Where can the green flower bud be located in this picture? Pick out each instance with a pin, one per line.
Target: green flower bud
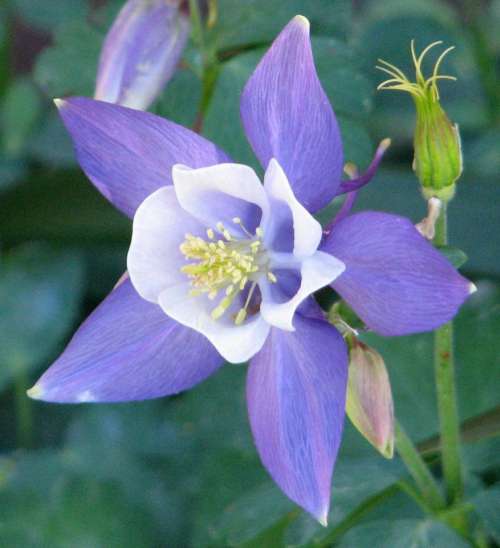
(437, 152)
(369, 403)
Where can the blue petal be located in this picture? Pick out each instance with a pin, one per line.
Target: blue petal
(296, 400)
(287, 116)
(129, 154)
(394, 279)
(128, 349)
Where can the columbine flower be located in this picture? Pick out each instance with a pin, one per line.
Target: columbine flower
(222, 267)
(141, 51)
(438, 155)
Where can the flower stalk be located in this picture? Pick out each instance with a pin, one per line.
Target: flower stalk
(210, 62)
(418, 469)
(446, 391)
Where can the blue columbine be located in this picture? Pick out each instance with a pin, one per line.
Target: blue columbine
(223, 267)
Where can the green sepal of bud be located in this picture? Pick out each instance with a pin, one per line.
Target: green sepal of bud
(437, 159)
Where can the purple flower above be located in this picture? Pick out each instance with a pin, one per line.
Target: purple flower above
(141, 51)
(223, 267)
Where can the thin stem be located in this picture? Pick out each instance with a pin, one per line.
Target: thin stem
(444, 371)
(355, 516)
(418, 469)
(209, 58)
(446, 392)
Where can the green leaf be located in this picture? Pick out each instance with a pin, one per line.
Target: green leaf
(222, 122)
(11, 171)
(424, 533)
(51, 144)
(215, 412)
(69, 67)
(482, 456)
(487, 504)
(179, 101)
(340, 70)
(260, 21)
(355, 480)
(64, 207)
(45, 504)
(254, 518)
(19, 111)
(433, 9)
(47, 15)
(40, 291)
(358, 146)
(481, 157)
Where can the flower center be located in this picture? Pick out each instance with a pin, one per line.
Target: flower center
(225, 264)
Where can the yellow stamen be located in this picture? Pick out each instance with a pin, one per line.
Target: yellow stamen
(271, 277)
(225, 264)
(240, 317)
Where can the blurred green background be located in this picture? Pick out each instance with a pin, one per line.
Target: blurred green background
(183, 471)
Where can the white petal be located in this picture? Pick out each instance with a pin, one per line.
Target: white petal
(154, 259)
(235, 343)
(307, 230)
(316, 272)
(221, 192)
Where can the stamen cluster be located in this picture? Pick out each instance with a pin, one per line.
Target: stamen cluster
(225, 264)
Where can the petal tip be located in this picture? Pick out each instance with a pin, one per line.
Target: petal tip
(472, 288)
(60, 103)
(35, 392)
(323, 519)
(388, 451)
(385, 143)
(302, 21)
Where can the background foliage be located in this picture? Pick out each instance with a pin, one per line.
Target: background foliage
(183, 471)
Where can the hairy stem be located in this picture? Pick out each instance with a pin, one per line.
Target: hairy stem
(446, 393)
(444, 371)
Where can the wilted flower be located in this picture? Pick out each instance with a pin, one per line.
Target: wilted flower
(223, 267)
(141, 51)
(438, 156)
(369, 397)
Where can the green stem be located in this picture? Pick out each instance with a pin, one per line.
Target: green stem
(444, 371)
(354, 517)
(418, 469)
(197, 25)
(446, 393)
(24, 418)
(209, 58)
